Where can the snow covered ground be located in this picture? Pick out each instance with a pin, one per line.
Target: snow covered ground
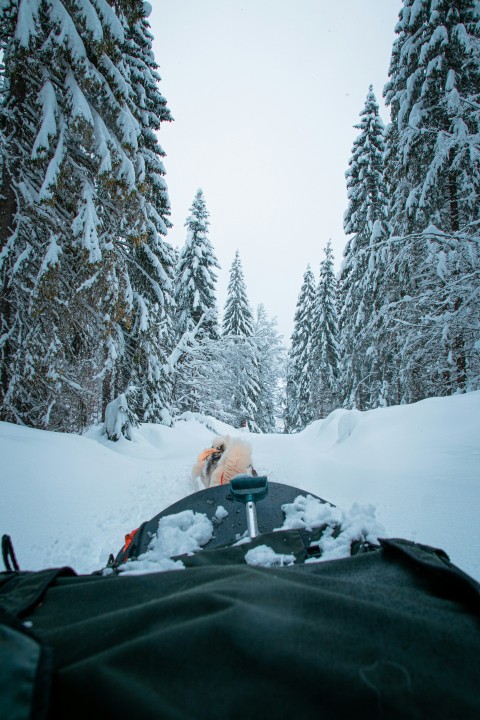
(69, 500)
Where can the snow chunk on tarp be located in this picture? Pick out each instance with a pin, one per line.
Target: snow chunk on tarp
(343, 528)
(187, 532)
(265, 556)
(221, 513)
(179, 534)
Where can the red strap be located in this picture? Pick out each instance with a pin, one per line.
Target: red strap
(128, 539)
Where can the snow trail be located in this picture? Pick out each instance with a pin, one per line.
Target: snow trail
(69, 500)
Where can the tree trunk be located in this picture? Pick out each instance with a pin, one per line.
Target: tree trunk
(454, 209)
(458, 349)
(8, 209)
(459, 354)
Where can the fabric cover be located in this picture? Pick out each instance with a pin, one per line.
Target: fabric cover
(392, 633)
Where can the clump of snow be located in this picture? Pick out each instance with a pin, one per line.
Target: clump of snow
(110, 19)
(146, 565)
(51, 256)
(307, 512)
(265, 556)
(343, 528)
(48, 128)
(118, 422)
(359, 524)
(221, 513)
(53, 169)
(242, 539)
(216, 426)
(178, 534)
(86, 223)
(26, 23)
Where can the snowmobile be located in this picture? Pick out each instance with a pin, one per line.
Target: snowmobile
(390, 631)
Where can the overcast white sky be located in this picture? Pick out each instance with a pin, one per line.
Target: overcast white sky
(265, 94)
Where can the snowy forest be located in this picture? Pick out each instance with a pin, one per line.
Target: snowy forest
(103, 319)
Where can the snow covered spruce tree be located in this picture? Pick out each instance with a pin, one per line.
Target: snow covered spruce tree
(366, 221)
(221, 374)
(55, 248)
(431, 282)
(72, 207)
(271, 371)
(237, 316)
(238, 331)
(196, 276)
(298, 410)
(196, 309)
(325, 361)
(151, 260)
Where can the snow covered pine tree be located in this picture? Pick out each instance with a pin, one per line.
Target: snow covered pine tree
(432, 304)
(325, 362)
(271, 370)
(238, 331)
(72, 206)
(196, 307)
(365, 219)
(298, 411)
(196, 276)
(152, 260)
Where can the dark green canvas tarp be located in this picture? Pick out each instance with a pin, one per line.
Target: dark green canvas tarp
(391, 633)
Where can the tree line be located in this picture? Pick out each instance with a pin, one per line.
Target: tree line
(231, 371)
(401, 322)
(97, 307)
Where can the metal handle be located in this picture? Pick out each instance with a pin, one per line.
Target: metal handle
(252, 523)
(249, 490)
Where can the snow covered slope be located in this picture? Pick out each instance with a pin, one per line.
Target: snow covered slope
(69, 500)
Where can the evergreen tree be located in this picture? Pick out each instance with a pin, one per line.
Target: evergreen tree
(196, 276)
(204, 378)
(433, 93)
(298, 411)
(72, 209)
(152, 261)
(430, 305)
(366, 220)
(238, 330)
(196, 304)
(237, 317)
(325, 351)
(271, 370)
(55, 241)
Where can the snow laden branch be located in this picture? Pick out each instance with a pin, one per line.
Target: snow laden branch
(185, 344)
